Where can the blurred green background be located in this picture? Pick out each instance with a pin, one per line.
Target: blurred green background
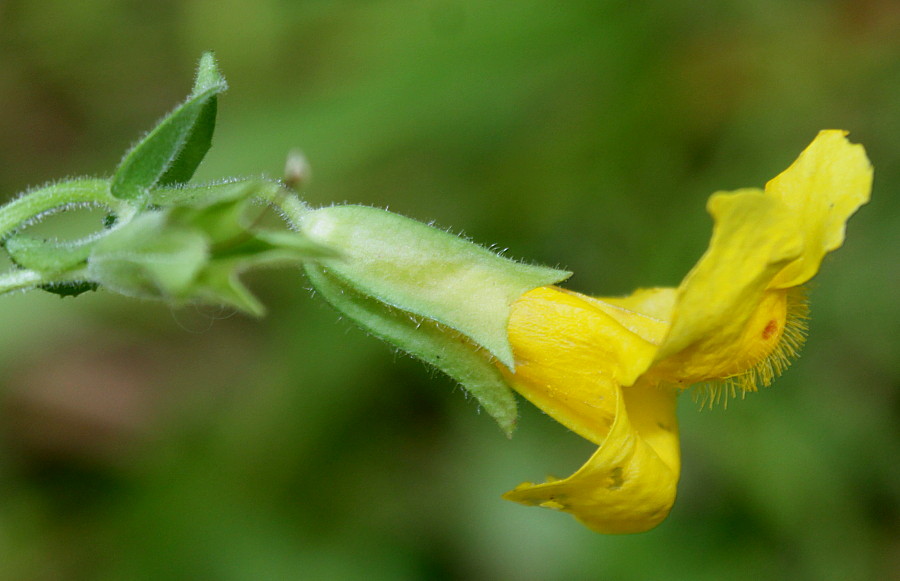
(143, 442)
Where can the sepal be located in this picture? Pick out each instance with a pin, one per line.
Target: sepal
(448, 350)
(193, 243)
(426, 272)
(150, 257)
(434, 295)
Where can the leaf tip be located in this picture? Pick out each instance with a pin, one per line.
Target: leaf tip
(208, 74)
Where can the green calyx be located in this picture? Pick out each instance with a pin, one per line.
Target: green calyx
(441, 298)
(194, 244)
(446, 349)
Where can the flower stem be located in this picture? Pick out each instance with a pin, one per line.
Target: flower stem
(19, 279)
(292, 207)
(25, 209)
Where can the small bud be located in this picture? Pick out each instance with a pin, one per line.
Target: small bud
(297, 171)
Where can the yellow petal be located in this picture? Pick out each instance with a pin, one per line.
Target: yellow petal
(753, 239)
(629, 484)
(573, 353)
(571, 357)
(821, 189)
(657, 303)
(735, 301)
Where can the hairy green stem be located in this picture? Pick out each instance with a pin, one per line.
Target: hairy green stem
(19, 279)
(22, 210)
(291, 207)
(25, 279)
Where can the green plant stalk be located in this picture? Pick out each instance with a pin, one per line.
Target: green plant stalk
(31, 206)
(34, 205)
(25, 279)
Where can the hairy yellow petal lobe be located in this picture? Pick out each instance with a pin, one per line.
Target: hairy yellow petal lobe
(772, 339)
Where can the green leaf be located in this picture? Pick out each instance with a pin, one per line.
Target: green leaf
(200, 139)
(224, 212)
(205, 195)
(220, 283)
(448, 350)
(149, 258)
(48, 256)
(195, 147)
(227, 213)
(426, 271)
(69, 288)
(208, 74)
(171, 152)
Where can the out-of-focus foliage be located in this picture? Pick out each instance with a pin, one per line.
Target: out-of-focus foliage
(142, 443)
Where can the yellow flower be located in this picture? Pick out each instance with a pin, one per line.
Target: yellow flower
(610, 369)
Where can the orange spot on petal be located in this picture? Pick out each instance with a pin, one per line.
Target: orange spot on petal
(771, 328)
